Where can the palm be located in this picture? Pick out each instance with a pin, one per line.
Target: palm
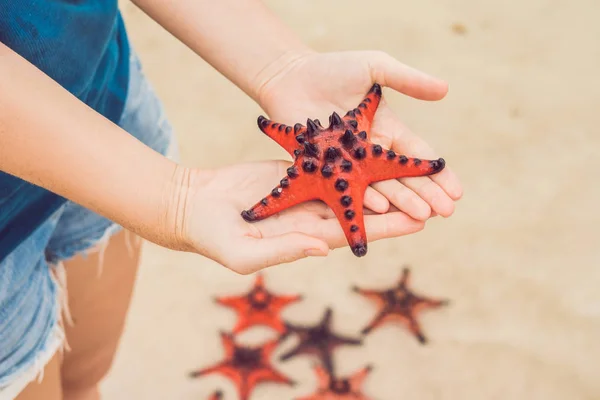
(342, 84)
(219, 196)
(322, 83)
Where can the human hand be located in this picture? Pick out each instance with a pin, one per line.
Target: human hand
(316, 84)
(210, 222)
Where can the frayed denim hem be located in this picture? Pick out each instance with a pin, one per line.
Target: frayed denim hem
(55, 342)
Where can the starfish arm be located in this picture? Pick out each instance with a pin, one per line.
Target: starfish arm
(220, 368)
(259, 281)
(378, 320)
(301, 349)
(427, 303)
(280, 302)
(228, 344)
(357, 380)
(217, 395)
(240, 305)
(244, 322)
(345, 340)
(387, 165)
(267, 375)
(373, 295)
(348, 207)
(243, 388)
(236, 302)
(323, 377)
(268, 348)
(404, 278)
(365, 112)
(292, 353)
(415, 328)
(284, 135)
(290, 329)
(326, 320)
(290, 192)
(325, 355)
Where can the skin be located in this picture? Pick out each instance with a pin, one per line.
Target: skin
(98, 306)
(169, 204)
(73, 151)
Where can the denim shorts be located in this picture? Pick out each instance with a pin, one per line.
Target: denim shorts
(33, 305)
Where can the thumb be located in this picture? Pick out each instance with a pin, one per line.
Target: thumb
(388, 71)
(281, 249)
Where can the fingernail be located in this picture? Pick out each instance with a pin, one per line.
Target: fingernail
(315, 253)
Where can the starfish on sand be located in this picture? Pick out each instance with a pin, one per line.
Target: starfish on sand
(332, 388)
(401, 304)
(317, 340)
(258, 307)
(246, 366)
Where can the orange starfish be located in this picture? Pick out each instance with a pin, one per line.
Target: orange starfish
(330, 388)
(218, 395)
(258, 307)
(336, 165)
(400, 303)
(246, 366)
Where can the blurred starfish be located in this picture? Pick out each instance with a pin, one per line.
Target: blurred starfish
(218, 395)
(331, 388)
(317, 340)
(258, 307)
(400, 303)
(246, 366)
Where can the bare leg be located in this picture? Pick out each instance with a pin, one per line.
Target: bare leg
(99, 306)
(49, 388)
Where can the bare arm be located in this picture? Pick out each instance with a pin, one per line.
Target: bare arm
(242, 39)
(50, 138)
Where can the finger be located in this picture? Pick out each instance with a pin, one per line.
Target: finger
(431, 193)
(255, 254)
(406, 142)
(390, 72)
(376, 201)
(404, 199)
(378, 226)
(391, 225)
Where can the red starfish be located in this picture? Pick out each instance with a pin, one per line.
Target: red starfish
(400, 303)
(317, 340)
(246, 366)
(218, 395)
(258, 307)
(331, 388)
(336, 165)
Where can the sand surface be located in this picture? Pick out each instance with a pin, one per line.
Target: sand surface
(520, 259)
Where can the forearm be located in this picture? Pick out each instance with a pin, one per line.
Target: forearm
(50, 138)
(242, 39)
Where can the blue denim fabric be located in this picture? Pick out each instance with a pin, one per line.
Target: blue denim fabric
(83, 46)
(30, 284)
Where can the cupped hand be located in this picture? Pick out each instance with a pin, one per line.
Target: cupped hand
(317, 84)
(213, 227)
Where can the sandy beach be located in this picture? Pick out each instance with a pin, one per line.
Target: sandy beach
(519, 259)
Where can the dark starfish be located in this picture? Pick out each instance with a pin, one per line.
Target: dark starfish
(246, 366)
(331, 388)
(400, 303)
(317, 340)
(218, 395)
(336, 165)
(258, 307)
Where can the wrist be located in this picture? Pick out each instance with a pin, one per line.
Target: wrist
(177, 207)
(264, 82)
